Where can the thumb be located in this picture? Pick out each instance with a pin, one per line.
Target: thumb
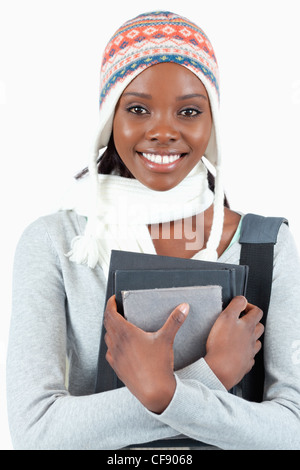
(236, 306)
(175, 321)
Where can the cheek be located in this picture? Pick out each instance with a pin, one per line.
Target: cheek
(125, 140)
(123, 125)
(118, 133)
(202, 135)
(117, 127)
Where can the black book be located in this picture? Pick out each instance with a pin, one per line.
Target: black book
(136, 271)
(133, 279)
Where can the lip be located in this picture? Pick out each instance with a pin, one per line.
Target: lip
(162, 167)
(163, 152)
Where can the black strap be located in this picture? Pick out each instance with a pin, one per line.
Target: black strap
(259, 258)
(258, 237)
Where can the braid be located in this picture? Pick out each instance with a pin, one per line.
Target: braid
(211, 185)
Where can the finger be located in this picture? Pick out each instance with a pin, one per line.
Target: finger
(257, 347)
(109, 358)
(175, 321)
(259, 330)
(107, 340)
(111, 303)
(111, 306)
(237, 305)
(112, 319)
(253, 313)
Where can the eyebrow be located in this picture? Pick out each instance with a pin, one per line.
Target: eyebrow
(139, 95)
(179, 98)
(191, 95)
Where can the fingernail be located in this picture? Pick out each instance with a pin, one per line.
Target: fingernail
(184, 308)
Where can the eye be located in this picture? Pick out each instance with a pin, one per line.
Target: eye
(190, 112)
(137, 110)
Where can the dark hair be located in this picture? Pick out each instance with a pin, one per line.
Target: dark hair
(110, 162)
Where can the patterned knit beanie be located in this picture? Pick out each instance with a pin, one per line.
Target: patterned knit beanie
(149, 39)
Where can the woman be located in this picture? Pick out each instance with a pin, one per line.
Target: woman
(158, 118)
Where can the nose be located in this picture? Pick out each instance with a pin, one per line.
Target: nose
(163, 131)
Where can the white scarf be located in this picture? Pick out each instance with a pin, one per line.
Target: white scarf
(125, 208)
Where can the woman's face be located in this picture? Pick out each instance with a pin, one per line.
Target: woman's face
(162, 125)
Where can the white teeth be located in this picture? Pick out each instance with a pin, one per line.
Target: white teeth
(161, 159)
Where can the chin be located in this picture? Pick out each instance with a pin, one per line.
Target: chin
(160, 184)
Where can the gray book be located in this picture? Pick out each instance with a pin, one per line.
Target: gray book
(149, 309)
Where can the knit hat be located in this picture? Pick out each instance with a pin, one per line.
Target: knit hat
(142, 42)
(150, 39)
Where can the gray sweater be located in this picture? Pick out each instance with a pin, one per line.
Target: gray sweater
(57, 312)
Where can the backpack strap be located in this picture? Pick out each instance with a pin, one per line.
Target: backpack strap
(258, 237)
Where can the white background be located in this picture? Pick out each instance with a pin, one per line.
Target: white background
(49, 73)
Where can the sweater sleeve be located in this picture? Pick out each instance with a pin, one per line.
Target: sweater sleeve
(230, 422)
(42, 413)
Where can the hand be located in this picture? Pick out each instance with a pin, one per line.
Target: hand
(143, 361)
(233, 341)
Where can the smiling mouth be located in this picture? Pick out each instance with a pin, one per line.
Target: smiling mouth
(161, 159)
